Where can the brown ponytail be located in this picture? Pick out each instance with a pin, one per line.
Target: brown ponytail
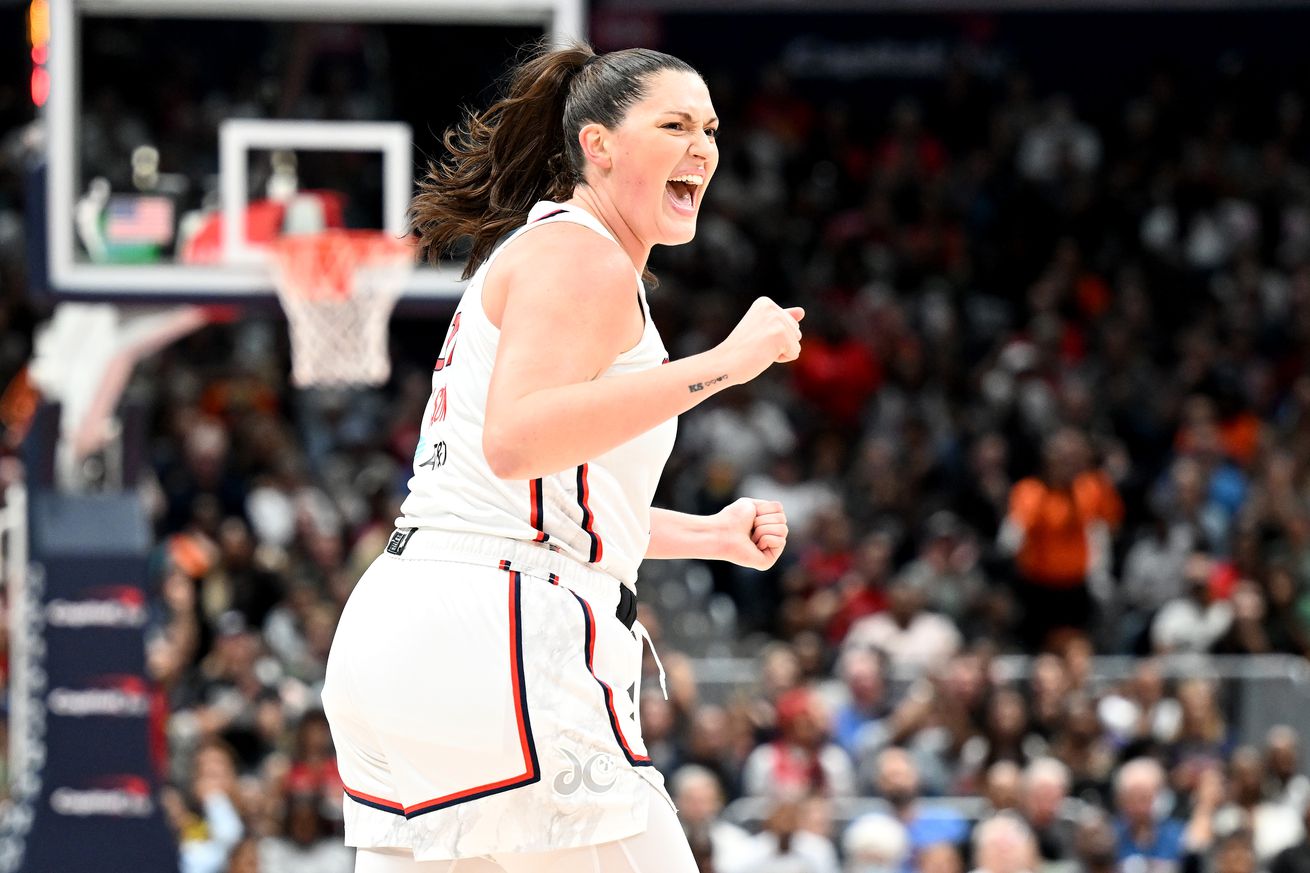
(524, 147)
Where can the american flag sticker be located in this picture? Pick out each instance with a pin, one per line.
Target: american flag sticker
(132, 218)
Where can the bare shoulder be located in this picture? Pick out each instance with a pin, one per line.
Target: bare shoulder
(561, 265)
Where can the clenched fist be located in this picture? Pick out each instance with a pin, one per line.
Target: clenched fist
(767, 334)
(754, 532)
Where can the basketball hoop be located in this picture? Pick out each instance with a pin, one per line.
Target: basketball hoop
(338, 288)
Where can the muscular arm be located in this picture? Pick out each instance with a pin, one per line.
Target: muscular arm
(566, 305)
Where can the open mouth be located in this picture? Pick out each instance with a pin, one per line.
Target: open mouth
(682, 192)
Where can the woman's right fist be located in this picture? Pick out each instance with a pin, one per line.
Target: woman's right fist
(767, 334)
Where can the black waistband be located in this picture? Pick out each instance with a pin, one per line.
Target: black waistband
(626, 611)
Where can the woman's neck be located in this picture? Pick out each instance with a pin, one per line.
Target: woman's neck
(599, 204)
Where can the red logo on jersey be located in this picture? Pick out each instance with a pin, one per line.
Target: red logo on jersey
(439, 406)
(448, 347)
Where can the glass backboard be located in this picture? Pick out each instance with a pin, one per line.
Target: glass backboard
(173, 157)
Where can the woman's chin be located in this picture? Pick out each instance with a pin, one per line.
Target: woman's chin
(678, 231)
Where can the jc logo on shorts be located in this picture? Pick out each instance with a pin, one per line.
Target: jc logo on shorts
(596, 774)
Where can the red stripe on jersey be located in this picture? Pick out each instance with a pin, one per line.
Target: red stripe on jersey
(537, 511)
(588, 519)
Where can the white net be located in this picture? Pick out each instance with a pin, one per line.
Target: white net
(338, 288)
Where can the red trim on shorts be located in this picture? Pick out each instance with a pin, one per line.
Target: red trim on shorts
(589, 623)
(375, 802)
(588, 519)
(518, 681)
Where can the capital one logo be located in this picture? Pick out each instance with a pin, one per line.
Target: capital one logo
(116, 796)
(104, 606)
(123, 696)
(597, 774)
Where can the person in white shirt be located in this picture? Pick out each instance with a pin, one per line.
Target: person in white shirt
(1195, 621)
(909, 635)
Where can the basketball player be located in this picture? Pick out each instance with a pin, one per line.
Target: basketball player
(482, 684)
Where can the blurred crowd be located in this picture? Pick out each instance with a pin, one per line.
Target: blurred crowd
(1054, 399)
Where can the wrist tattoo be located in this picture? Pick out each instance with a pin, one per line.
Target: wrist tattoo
(701, 386)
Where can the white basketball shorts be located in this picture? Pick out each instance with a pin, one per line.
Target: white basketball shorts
(482, 698)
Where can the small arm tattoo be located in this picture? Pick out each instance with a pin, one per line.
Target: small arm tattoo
(701, 386)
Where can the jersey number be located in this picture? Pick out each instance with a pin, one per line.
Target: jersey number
(448, 347)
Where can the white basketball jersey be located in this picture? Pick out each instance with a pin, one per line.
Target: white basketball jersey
(597, 513)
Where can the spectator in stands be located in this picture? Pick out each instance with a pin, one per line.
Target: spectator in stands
(1236, 853)
(1267, 617)
(1001, 786)
(205, 818)
(307, 844)
(1082, 745)
(906, 633)
(1197, 620)
(940, 858)
(1273, 825)
(898, 784)
(859, 724)
(1094, 847)
(1282, 762)
(1152, 576)
(1003, 844)
(946, 570)
(312, 768)
(1006, 730)
(239, 700)
(1185, 501)
(1201, 832)
(699, 798)
(1141, 715)
(875, 843)
(708, 744)
(940, 720)
(783, 846)
(1059, 145)
(747, 430)
(1141, 831)
(1058, 528)
(862, 591)
(836, 374)
(658, 723)
(1049, 691)
(1043, 793)
(986, 490)
(802, 759)
(1202, 732)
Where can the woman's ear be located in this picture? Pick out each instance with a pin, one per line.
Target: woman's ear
(596, 145)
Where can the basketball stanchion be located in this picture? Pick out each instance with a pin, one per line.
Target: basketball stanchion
(338, 288)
